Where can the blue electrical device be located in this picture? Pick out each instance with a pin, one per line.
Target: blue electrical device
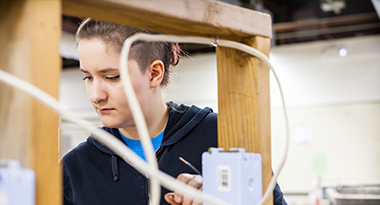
(232, 175)
(17, 185)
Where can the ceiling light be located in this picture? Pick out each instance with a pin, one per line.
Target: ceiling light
(332, 5)
(342, 52)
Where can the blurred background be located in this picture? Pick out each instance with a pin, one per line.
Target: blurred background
(327, 56)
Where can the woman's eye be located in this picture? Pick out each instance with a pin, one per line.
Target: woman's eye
(87, 78)
(113, 77)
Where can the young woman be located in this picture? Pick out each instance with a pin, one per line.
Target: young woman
(93, 174)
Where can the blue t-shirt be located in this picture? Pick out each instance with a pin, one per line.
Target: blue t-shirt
(136, 146)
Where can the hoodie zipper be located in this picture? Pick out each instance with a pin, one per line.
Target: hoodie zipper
(147, 177)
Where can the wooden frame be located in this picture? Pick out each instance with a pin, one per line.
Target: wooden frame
(30, 32)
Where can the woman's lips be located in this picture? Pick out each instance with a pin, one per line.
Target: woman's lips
(105, 110)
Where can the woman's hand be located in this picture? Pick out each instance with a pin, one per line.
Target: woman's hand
(178, 199)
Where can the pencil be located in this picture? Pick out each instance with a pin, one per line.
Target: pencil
(190, 165)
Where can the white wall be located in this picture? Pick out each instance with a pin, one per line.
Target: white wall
(314, 73)
(195, 82)
(347, 137)
(334, 107)
(333, 102)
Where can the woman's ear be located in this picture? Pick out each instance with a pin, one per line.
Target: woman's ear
(157, 71)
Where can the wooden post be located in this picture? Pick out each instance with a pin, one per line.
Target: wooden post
(29, 38)
(244, 103)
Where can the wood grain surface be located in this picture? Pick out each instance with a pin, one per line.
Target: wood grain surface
(244, 103)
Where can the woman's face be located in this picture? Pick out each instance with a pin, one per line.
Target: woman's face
(100, 65)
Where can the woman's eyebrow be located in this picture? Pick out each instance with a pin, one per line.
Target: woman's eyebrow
(83, 71)
(105, 70)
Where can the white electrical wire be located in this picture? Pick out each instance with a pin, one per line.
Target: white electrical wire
(186, 39)
(138, 117)
(109, 140)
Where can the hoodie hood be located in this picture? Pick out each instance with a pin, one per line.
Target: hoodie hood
(182, 119)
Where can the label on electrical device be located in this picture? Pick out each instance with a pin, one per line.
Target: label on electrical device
(224, 178)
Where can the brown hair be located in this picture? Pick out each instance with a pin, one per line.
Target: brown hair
(143, 52)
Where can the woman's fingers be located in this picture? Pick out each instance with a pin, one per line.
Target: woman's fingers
(169, 197)
(191, 180)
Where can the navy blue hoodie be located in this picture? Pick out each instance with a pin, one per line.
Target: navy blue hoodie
(93, 174)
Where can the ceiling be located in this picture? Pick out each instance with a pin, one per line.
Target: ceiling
(310, 20)
(294, 21)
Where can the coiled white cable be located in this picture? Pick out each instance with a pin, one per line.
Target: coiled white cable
(186, 39)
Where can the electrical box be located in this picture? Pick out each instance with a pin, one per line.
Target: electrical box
(232, 175)
(17, 185)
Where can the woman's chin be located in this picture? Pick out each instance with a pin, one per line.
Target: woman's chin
(113, 122)
(110, 124)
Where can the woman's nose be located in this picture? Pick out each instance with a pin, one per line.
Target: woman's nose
(97, 92)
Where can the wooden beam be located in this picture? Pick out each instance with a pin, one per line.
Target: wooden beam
(244, 102)
(181, 17)
(29, 38)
